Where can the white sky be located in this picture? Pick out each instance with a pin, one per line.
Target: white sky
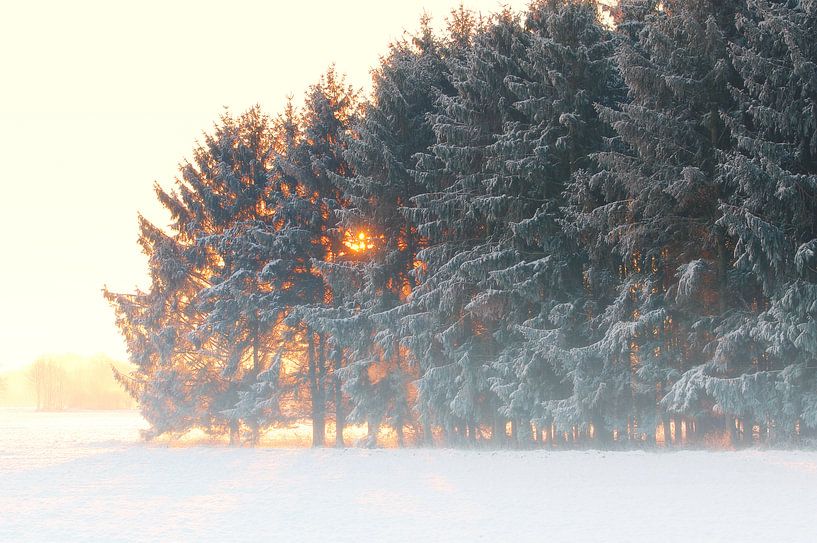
(100, 99)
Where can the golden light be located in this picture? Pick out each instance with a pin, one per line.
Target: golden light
(358, 243)
(605, 14)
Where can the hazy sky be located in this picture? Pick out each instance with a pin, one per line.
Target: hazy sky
(100, 99)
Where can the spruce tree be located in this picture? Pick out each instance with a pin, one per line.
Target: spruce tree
(451, 316)
(185, 344)
(567, 68)
(653, 206)
(375, 274)
(303, 200)
(766, 367)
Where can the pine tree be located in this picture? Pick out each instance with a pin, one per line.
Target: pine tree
(451, 316)
(188, 364)
(567, 69)
(303, 200)
(765, 369)
(375, 274)
(653, 206)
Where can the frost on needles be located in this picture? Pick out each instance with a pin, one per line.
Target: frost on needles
(538, 228)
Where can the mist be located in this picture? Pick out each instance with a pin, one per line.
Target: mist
(65, 382)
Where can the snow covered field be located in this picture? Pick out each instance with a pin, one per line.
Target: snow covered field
(85, 477)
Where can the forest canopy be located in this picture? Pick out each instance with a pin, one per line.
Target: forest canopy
(559, 226)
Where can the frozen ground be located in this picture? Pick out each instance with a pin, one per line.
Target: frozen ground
(84, 477)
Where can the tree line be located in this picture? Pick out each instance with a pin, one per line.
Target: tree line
(539, 228)
(60, 382)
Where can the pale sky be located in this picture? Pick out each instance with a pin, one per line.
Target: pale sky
(100, 99)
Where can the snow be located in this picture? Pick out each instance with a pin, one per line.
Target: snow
(86, 477)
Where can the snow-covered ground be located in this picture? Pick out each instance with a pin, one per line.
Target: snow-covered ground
(85, 477)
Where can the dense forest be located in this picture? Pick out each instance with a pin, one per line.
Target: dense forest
(574, 225)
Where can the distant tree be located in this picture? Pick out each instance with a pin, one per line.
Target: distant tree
(49, 381)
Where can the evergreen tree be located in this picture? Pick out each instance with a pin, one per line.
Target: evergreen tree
(451, 315)
(568, 68)
(535, 219)
(303, 200)
(376, 272)
(763, 370)
(188, 362)
(654, 204)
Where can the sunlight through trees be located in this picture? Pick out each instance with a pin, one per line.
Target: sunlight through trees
(552, 227)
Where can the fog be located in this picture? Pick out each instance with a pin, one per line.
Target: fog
(60, 382)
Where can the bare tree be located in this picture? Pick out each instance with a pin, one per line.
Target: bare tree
(48, 379)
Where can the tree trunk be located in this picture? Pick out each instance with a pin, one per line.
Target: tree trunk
(340, 415)
(318, 434)
(398, 429)
(256, 367)
(732, 422)
(448, 434)
(428, 434)
(498, 431)
(665, 421)
(320, 367)
(603, 436)
(747, 432)
(523, 434)
(372, 429)
(678, 437)
(399, 400)
(235, 434)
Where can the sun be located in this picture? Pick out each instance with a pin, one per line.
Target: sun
(359, 242)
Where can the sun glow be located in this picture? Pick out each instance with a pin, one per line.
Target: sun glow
(359, 242)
